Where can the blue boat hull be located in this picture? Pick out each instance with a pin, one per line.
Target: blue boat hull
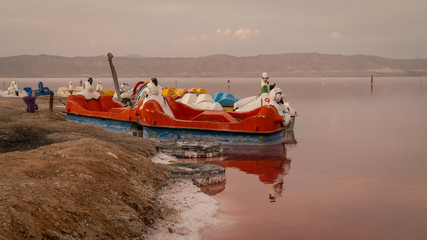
(226, 137)
(170, 134)
(111, 125)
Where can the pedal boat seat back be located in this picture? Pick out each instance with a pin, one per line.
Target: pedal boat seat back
(261, 119)
(103, 107)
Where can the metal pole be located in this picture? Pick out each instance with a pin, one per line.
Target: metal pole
(51, 102)
(113, 72)
(228, 86)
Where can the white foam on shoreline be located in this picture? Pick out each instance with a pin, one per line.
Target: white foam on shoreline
(190, 209)
(163, 158)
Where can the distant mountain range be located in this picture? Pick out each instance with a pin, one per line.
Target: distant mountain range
(277, 65)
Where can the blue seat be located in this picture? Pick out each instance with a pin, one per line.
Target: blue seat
(225, 99)
(28, 90)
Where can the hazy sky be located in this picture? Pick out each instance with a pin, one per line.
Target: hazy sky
(193, 28)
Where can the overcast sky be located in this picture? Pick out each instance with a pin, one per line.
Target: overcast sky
(193, 28)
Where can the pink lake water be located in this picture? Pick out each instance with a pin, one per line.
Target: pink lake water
(358, 169)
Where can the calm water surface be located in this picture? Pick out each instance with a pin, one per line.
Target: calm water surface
(357, 171)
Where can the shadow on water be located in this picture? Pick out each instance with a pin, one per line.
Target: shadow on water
(269, 163)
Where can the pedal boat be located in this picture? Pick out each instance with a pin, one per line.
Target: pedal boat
(261, 126)
(103, 112)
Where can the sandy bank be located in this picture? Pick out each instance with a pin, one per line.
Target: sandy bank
(65, 180)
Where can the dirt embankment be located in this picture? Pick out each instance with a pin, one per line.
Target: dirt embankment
(62, 180)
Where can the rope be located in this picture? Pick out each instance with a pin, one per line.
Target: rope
(56, 98)
(59, 115)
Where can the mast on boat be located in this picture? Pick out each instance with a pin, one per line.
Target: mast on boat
(113, 72)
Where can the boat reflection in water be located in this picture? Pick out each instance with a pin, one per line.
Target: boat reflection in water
(269, 162)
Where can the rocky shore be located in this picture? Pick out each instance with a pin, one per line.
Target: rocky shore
(63, 180)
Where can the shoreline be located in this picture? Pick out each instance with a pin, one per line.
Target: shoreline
(68, 180)
(190, 210)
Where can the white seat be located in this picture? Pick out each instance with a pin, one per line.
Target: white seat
(189, 99)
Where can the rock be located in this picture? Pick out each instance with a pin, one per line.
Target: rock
(191, 149)
(202, 174)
